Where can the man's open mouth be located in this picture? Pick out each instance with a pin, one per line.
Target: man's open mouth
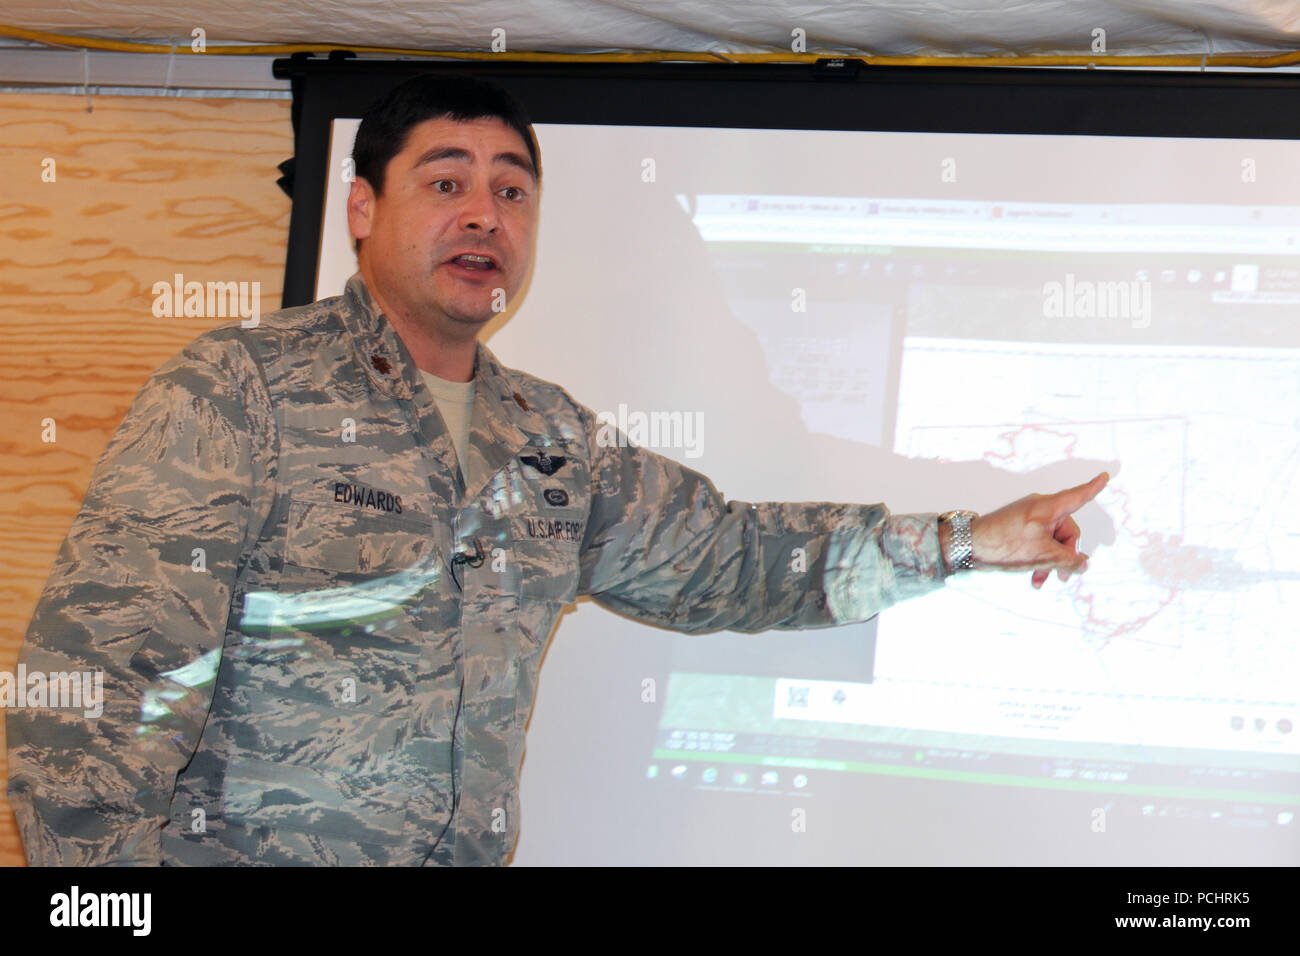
(474, 262)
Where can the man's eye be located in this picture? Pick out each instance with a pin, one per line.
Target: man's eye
(438, 184)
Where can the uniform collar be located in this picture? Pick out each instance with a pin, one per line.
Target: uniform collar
(503, 421)
(379, 349)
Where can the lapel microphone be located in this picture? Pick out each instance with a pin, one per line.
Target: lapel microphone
(464, 557)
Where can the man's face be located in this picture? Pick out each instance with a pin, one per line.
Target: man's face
(455, 188)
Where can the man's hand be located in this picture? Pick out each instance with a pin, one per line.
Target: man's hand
(1035, 533)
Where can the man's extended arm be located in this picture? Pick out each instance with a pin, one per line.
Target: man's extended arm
(662, 545)
(140, 592)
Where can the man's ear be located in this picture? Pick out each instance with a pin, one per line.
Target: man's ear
(361, 208)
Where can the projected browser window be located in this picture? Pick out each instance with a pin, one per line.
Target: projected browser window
(1035, 333)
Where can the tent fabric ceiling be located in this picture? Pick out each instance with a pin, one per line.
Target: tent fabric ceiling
(892, 28)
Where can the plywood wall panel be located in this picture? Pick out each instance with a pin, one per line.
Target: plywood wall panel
(144, 187)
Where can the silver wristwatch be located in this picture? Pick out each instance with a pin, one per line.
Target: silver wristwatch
(961, 544)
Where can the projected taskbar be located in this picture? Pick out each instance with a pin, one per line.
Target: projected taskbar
(712, 737)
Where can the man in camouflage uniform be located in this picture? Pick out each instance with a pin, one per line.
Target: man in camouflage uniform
(319, 616)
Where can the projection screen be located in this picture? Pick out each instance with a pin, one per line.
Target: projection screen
(930, 319)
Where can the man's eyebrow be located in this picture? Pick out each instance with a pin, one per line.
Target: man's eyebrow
(439, 153)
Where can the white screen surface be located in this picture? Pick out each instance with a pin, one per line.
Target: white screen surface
(933, 321)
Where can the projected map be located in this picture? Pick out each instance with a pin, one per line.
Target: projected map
(1180, 635)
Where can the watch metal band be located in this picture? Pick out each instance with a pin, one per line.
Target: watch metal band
(961, 544)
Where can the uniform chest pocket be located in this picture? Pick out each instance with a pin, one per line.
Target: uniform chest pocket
(356, 541)
(546, 547)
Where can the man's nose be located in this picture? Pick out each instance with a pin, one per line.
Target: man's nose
(480, 211)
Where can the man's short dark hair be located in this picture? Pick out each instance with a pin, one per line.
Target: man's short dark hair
(386, 125)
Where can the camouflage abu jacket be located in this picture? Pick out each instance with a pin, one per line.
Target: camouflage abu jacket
(319, 646)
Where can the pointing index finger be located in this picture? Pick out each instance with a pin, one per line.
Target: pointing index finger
(1072, 499)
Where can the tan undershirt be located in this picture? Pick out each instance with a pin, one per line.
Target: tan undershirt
(455, 400)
